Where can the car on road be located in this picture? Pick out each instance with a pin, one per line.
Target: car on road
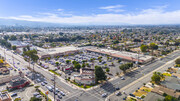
(45, 82)
(132, 95)
(49, 88)
(14, 94)
(62, 93)
(38, 80)
(122, 78)
(117, 88)
(36, 93)
(57, 90)
(42, 83)
(52, 79)
(104, 95)
(38, 96)
(118, 93)
(124, 98)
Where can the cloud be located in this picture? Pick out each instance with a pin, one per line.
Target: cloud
(145, 16)
(115, 8)
(60, 9)
(111, 7)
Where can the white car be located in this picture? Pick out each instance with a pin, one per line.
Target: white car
(104, 95)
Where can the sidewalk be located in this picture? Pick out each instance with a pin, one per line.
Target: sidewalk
(138, 80)
(32, 82)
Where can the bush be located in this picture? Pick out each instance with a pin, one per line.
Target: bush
(143, 96)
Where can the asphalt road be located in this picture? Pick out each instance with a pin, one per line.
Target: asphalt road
(95, 94)
(109, 88)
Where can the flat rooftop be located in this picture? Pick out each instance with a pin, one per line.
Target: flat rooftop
(58, 50)
(122, 54)
(18, 43)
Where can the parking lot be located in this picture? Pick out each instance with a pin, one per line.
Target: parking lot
(47, 85)
(91, 59)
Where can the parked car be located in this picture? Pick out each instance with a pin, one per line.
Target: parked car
(42, 83)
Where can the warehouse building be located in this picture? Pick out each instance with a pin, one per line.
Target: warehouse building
(128, 56)
(60, 51)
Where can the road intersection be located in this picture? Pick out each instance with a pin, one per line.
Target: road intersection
(94, 94)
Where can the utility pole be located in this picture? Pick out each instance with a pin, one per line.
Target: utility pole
(138, 60)
(34, 71)
(13, 59)
(54, 87)
(4, 54)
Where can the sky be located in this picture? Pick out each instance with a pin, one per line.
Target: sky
(98, 12)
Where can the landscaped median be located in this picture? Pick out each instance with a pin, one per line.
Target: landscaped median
(81, 85)
(54, 72)
(44, 95)
(142, 92)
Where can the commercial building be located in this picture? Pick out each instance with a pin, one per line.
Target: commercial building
(18, 83)
(86, 76)
(60, 51)
(123, 55)
(4, 96)
(19, 44)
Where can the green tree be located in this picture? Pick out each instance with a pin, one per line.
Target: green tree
(17, 99)
(28, 48)
(177, 61)
(144, 48)
(24, 49)
(68, 61)
(87, 64)
(99, 74)
(12, 38)
(153, 47)
(74, 62)
(83, 65)
(170, 98)
(35, 99)
(157, 76)
(77, 66)
(14, 47)
(49, 58)
(125, 67)
(115, 42)
(107, 70)
(57, 63)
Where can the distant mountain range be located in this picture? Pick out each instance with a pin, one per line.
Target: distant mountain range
(11, 22)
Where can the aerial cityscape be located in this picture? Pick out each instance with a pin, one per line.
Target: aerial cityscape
(89, 50)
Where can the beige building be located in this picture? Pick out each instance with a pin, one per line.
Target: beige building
(60, 51)
(86, 76)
